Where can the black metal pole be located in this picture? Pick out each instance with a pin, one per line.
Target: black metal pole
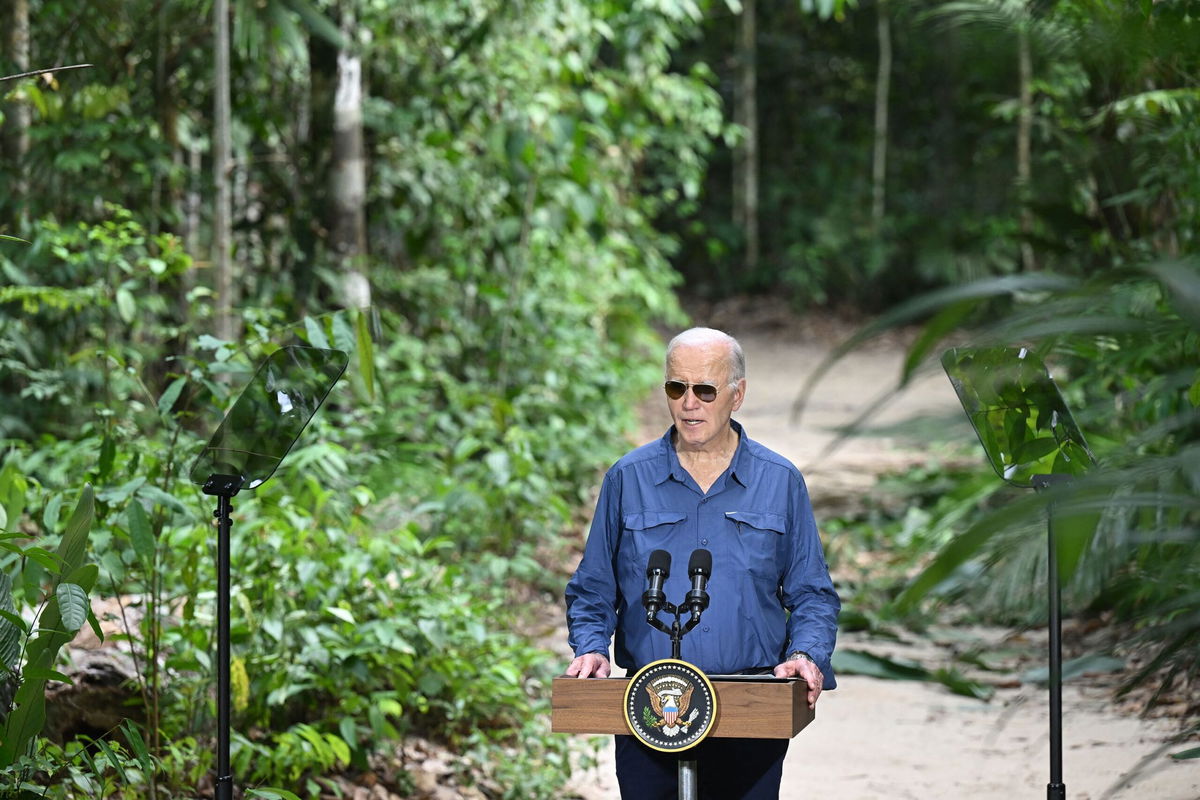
(223, 487)
(1055, 789)
(224, 784)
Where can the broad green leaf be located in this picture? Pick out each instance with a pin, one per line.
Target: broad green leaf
(25, 721)
(271, 793)
(1075, 667)
(72, 605)
(119, 494)
(141, 535)
(316, 333)
(12, 628)
(43, 674)
(13, 487)
(45, 558)
(1184, 755)
(366, 351)
(1182, 281)
(1033, 450)
(114, 760)
(917, 308)
(944, 322)
(343, 337)
(108, 453)
(167, 401)
(84, 577)
(594, 102)
(956, 682)
(1074, 528)
(74, 541)
(858, 662)
(138, 745)
(159, 497)
(321, 25)
(126, 306)
(341, 614)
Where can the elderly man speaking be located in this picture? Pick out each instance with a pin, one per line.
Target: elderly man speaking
(706, 484)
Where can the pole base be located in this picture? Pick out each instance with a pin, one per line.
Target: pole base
(1056, 791)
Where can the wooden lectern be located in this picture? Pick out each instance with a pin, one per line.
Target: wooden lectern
(748, 707)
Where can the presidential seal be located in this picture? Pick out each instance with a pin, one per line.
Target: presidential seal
(670, 705)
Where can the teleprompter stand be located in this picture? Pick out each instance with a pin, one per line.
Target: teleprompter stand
(1031, 441)
(249, 444)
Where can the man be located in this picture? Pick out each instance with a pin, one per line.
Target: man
(705, 484)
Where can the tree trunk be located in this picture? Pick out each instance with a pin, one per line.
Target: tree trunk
(223, 280)
(348, 175)
(1024, 136)
(745, 165)
(16, 139)
(883, 83)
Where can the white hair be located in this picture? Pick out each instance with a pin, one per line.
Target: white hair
(701, 336)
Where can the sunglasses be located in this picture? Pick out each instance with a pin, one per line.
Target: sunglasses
(705, 392)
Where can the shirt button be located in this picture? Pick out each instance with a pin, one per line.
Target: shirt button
(703, 500)
(704, 541)
(706, 629)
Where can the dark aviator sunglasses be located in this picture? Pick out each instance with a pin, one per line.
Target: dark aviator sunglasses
(705, 392)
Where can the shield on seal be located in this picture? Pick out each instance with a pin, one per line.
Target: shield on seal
(670, 710)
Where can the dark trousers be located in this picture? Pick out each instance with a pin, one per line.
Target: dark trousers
(727, 769)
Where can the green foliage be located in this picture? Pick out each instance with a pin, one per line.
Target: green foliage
(31, 650)
(519, 153)
(1124, 343)
(1112, 173)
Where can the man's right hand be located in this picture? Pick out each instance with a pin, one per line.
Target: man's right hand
(589, 665)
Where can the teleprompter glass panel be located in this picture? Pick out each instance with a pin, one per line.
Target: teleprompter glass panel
(1017, 412)
(270, 414)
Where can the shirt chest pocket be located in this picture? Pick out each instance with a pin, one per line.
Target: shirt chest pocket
(760, 541)
(647, 531)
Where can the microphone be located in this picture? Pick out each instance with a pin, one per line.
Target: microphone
(699, 570)
(658, 569)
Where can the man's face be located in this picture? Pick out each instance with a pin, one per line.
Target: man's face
(698, 424)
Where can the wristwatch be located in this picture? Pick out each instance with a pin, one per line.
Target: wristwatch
(797, 655)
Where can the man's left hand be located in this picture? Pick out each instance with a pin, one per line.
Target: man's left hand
(806, 669)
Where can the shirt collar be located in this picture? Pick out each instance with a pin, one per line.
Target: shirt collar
(741, 467)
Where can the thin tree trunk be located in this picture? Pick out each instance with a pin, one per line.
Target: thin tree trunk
(16, 140)
(348, 176)
(222, 148)
(883, 84)
(745, 178)
(1024, 147)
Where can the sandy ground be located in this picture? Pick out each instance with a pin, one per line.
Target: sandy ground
(889, 739)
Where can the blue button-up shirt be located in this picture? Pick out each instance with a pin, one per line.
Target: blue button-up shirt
(770, 591)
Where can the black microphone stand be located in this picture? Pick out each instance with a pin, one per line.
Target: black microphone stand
(676, 631)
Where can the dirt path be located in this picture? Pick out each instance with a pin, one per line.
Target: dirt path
(888, 739)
